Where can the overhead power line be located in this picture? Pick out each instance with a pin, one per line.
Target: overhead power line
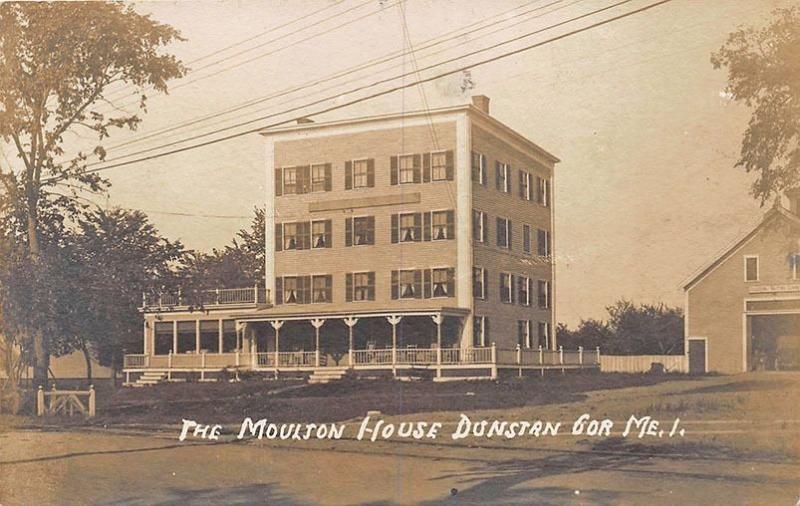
(362, 87)
(390, 90)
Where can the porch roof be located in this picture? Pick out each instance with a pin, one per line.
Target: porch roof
(270, 314)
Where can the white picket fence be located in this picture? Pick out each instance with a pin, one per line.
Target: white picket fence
(643, 363)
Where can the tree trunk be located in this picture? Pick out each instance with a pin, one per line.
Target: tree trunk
(41, 356)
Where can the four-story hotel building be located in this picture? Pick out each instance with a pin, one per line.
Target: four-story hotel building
(421, 240)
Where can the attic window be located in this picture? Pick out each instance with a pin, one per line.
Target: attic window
(751, 268)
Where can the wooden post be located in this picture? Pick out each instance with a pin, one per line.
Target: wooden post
(53, 399)
(437, 319)
(494, 361)
(203, 365)
(175, 336)
(598, 356)
(197, 336)
(519, 359)
(277, 324)
(580, 355)
(40, 401)
(317, 323)
(394, 320)
(351, 323)
(92, 401)
(255, 292)
(561, 357)
(541, 356)
(169, 365)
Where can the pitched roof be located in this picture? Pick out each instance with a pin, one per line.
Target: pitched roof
(777, 211)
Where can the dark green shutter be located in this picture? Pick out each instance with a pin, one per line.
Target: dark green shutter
(485, 283)
(427, 283)
(451, 224)
(395, 228)
(306, 289)
(348, 175)
(328, 234)
(395, 285)
(426, 167)
(278, 182)
(328, 177)
(348, 294)
(513, 294)
(426, 227)
(417, 168)
(393, 164)
(497, 172)
(279, 237)
(348, 231)
(371, 286)
(451, 282)
(450, 167)
(371, 173)
(278, 290)
(521, 185)
(510, 235)
(417, 284)
(418, 227)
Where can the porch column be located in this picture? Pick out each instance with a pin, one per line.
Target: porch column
(394, 320)
(317, 323)
(350, 322)
(144, 346)
(437, 319)
(197, 336)
(276, 324)
(175, 336)
(220, 335)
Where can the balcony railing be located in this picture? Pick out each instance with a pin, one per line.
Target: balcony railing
(202, 298)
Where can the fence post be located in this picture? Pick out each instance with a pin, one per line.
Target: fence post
(541, 356)
(439, 361)
(519, 359)
(494, 361)
(255, 292)
(561, 355)
(598, 356)
(169, 365)
(580, 355)
(40, 401)
(92, 401)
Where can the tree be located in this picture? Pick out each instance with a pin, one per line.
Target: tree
(121, 255)
(764, 73)
(590, 334)
(57, 61)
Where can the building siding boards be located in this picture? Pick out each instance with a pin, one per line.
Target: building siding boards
(715, 302)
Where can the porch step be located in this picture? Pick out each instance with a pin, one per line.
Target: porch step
(149, 378)
(327, 375)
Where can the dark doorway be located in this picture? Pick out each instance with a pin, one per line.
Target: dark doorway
(776, 342)
(697, 356)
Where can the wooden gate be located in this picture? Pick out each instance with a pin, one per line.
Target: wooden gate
(65, 402)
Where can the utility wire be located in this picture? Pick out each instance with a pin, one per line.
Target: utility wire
(391, 90)
(362, 87)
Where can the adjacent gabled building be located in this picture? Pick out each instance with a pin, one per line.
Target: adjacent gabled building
(743, 309)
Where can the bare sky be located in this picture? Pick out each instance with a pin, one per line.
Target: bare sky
(646, 190)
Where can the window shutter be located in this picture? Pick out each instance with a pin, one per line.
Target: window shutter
(483, 170)
(278, 182)
(486, 339)
(548, 249)
(549, 293)
(348, 231)
(305, 186)
(348, 294)
(547, 192)
(371, 288)
(520, 335)
(417, 284)
(522, 185)
(395, 228)
(328, 177)
(509, 234)
(509, 172)
(485, 228)
(393, 164)
(279, 237)
(486, 283)
(450, 165)
(426, 167)
(417, 164)
(451, 282)
(348, 175)
(451, 224)
(427, 226)
(304, 229)
(306, 291)
(278, 290)
(428, 283)
(500, 230)
(512, 278)
(417, 227)
(395, 286)
(371, 173)
(371, 225)
(328, 234)
(497, 168)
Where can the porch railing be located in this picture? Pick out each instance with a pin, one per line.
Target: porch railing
(218, 297)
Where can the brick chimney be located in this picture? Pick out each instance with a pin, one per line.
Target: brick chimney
(481, 102)
(793, 195)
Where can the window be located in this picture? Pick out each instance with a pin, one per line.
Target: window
(360, 286)
(209, 336)
(504, 233)
(320, 177)
(526, 238)
(439, 166)
(321, 288)
(478, 226)
(360, 174)
(290, 238)
(543, 191)
(544, 294)
(478, 168)
(409, 227)
(479, 282)
(480, 331)
(502, 173)
(407, 169)
(524, 333)
(163, 334)
(751, 268)
(290, 180)
(442, 226)
(229, 338)
(506, 287)
(442, 283)
(360, 231)
(187, 334)
(290, 292)
(544, 335)
(543, 243)
(407, 285)
(523, 290)
(321, 234)
(524, 185)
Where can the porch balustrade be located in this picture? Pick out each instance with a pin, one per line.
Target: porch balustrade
(218, 297)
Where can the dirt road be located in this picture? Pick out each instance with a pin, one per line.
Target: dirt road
(40, 468)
